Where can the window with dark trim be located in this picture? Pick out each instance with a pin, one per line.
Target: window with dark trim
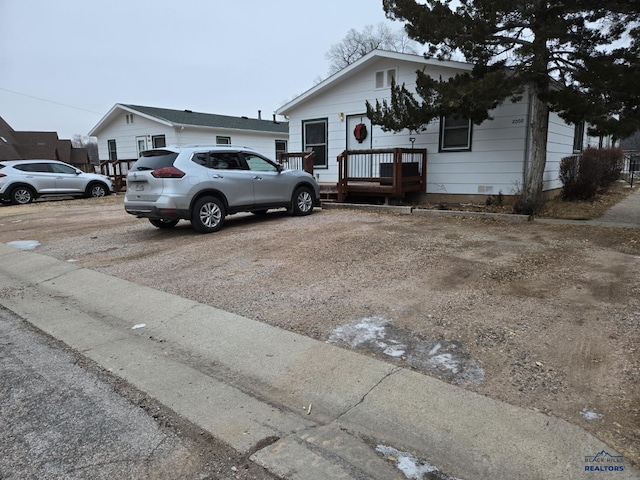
(455, 133)
(578, 137)
(158, 141)
(220, 140)
(113, 153)
(281, 147)
(314, 138)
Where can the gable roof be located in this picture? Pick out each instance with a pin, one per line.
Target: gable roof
(363, 63)
(188, 118)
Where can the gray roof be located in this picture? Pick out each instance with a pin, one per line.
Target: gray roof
(187, 117)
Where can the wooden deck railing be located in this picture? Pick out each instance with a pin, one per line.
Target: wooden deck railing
(385, 172)
(298, 160)
(117, 170)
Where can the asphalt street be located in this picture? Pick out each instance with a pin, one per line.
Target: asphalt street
(61, 417)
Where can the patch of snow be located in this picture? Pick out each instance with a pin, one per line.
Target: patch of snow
(410, 466)
(447, 361)
(365, 330)
(589, 415)
(24, 244)
(395, 351)
(139, 325)
(435, 349)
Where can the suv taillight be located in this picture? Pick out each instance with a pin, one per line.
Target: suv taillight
(168, 172)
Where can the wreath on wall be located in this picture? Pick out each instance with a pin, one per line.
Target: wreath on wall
(360, 132)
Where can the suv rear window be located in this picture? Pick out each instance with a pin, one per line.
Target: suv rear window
(155, 159)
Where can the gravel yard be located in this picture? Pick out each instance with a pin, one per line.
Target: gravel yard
(546, 317)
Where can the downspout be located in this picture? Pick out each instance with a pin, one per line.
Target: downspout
(527, 138)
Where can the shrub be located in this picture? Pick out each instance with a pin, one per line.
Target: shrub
(612, 162)
(584, 174)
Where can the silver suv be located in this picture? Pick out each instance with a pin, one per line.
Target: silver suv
(22, 181)
(203, 184)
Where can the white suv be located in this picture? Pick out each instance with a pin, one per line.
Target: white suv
(22, 181)
(203, 184)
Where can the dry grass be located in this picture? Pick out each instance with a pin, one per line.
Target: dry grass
(585, 210)
(554, 208)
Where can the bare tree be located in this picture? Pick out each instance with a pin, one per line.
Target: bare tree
(90, 143)
(356, 44)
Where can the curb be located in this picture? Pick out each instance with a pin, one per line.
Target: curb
(425, 212)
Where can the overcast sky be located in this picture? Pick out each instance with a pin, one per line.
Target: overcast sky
(65, 63)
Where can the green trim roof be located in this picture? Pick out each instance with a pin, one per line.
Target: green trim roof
(189, 118)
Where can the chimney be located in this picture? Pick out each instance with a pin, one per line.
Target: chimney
(259, 114)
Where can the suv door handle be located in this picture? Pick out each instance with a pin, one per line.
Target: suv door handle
(256, 177)
(215, 175)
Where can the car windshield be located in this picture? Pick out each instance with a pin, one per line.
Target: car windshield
(155, 159)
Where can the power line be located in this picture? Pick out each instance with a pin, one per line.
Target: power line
(50, 101)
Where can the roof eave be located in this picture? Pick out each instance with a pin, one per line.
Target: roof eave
(361, 64)
(111, 114)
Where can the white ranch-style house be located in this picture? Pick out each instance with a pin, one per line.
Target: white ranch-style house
(127, 130)
(463, 160)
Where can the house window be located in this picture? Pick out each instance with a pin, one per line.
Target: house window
(391, 77)
(455, 133)
(379, 79)
(314, 134)
(111, 146)
(385, 78)
(578, 137)
(158, 141)
(281, 147)
(220, 140)
(129, 118)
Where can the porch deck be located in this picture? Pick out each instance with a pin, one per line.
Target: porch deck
(388, 173)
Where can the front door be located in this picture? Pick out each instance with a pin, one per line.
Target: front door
(141, 143)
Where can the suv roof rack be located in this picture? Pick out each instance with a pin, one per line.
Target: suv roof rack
(223, 145)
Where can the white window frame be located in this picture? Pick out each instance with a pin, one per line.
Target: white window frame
(113, 152)
(318, 162)
(384, 78)
(444, 129)
(223, 140)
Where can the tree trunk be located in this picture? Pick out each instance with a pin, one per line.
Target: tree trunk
(534, 175)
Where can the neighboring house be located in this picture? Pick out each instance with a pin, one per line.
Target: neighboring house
(127, 130)
(463, 159)
(40, 145)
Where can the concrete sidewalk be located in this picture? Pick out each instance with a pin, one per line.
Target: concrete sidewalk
(301, 408)
(625, 214)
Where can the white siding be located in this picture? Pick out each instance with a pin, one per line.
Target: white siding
(499, 147)
(494, 164)
(264, 143)
(126, 134)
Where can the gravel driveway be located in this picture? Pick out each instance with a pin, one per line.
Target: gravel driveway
(541, 316)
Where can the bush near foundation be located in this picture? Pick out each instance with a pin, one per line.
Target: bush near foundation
(594, 169)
